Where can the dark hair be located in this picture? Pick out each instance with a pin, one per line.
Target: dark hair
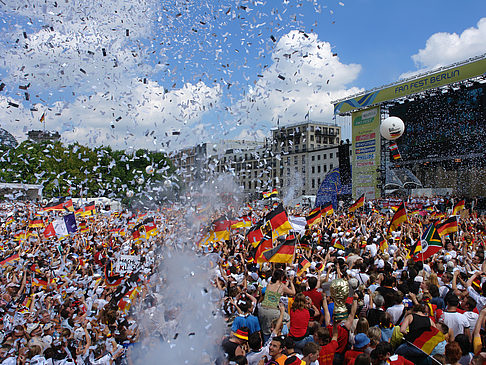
(288, 343)
(464, 343)
(255, 341)
(277, 275)
(240, 360)
(362, 359)
(312, 281)
(279, 339)
(433, 290)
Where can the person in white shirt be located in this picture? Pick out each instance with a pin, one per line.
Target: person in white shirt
(456, 321)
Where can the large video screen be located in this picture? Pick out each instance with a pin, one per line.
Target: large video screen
(444, 125)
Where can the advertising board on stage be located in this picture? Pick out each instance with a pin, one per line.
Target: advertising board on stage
(366, 152)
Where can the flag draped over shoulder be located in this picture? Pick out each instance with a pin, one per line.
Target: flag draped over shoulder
(279, 220)
(447, 227)
(357, 204)
(399, 217)
(430, 244)
(429, 339)
(458, 207)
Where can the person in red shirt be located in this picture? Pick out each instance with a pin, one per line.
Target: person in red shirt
(300, 313)
(328, 345)
(343, 327)
(361, 342)
(315, 295)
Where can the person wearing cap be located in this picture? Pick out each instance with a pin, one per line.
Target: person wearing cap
(456, 321)
(361, 342)
(236, 344)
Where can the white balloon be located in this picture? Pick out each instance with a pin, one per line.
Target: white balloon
(392, 128)
(149, 169)
(129, 193)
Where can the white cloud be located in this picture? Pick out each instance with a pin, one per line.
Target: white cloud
(443, 49)
(304, 78)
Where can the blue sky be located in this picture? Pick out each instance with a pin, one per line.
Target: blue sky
(129, 73)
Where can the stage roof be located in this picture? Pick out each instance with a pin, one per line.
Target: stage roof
(473, 69)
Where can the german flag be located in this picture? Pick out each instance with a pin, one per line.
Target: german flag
(327, 210)
(337, 244)
(429, 339)
(9, 220)
(357, 204)
(255, 234)
(383, 245)
(87, 210)
(60, 205)
(126, 302)
(20, 235)
(265, 244)
(10, 260)
(111, 280)
(430, 244)
(279, 221)
(221, 229)
(302, 265)
(447, 227)
(36, 223)
(267, 195)
(399, 217)
(314, 217)
(458, 207)
(150, 227)
(395, 153)
(83, 227)
(282, 253)
(244, 221)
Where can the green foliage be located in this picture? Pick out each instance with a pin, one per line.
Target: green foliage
(80, 171)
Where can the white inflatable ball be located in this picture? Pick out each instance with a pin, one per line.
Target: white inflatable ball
(392, 128)
(129, 193)
(149, 169)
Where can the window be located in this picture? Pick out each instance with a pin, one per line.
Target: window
(303, 160)
(319, 169)
(313, 183)
(324, 156)
(312, 128)
(318, 157)
(313, 158)
(312, 137)
(330, 155)
(313, 169)
(330, 166)
(325, 168)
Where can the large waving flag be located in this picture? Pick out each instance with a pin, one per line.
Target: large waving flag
(282, 253)
(314, 217)
(255, 234)
(327, 210)
(279, 220)
(61, 226)
(430, 244)
(265, 244)
(458, 207)
(87, 210)
(447, 227)
(399, 217)
(60, 205)
(357, 204)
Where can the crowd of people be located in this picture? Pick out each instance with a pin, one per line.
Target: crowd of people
(65, 299)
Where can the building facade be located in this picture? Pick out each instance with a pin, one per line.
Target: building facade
(296, 157)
